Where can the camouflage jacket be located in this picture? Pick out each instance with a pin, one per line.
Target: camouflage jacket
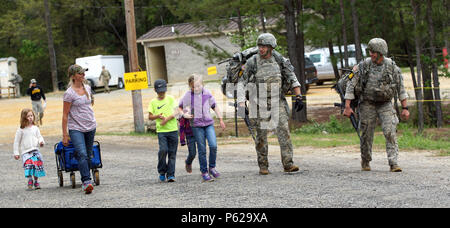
(105, 75)
(289, 79)
(384, 77)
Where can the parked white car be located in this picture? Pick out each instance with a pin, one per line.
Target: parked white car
(321, 59)
(113, 63)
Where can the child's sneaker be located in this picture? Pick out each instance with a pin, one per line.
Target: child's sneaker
(162, 177)
(171, 179)
(206, 177)
(37, 186)
(87, 187)
(30, 185)
(189, 168)
(214, 172)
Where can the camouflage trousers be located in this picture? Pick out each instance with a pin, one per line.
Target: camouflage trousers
(281, 129)
(368, 120)
(106, 85)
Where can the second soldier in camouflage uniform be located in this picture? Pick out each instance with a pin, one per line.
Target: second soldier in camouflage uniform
(105, 76)
(272, 71)
(377, 80)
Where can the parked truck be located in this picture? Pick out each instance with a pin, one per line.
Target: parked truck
(321, 59)
(113, 63)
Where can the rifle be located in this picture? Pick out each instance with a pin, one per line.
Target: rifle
(234, 71)
(353, 103)
(245, 117)
(247, 122)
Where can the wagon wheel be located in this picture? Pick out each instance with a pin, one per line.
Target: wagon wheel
(96, 175)
(60, 178)
(72, 179)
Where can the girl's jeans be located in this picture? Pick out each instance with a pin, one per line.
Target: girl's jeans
(168, 145)
(202, 134)
(83, 143)
(190, 139)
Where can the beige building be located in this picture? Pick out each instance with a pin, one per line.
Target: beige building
(168, 57)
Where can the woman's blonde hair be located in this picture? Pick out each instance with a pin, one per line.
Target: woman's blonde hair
(23, 117)
(85, 82)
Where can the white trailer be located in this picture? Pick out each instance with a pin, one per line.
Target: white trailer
(113, 63)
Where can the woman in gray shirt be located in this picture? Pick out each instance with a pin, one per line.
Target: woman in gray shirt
(78, 122)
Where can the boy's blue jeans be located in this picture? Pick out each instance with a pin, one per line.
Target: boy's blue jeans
(192, 148)
(168, 145)
(202, 134)
(83, 143)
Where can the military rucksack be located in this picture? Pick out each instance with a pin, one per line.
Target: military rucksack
(387, 87)
(341, 87)
(235, 70)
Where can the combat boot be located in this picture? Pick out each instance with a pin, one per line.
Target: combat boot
(292, 168)
(264, 171)
(395, 168)
(365, 165)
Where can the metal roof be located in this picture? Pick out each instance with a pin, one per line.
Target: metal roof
(167, 32)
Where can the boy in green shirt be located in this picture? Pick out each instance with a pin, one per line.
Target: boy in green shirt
(162, 109)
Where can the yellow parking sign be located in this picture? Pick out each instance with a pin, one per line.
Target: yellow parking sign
(212, 70)
(135, 80)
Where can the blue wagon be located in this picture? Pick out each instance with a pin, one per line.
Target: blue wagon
(66, 161)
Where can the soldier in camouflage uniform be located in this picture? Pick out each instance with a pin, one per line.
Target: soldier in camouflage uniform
(377, 81)
(271, 74)
(105, 76)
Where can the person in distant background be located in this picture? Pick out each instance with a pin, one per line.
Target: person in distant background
(105, 76)
(36, 93)
(16, 80)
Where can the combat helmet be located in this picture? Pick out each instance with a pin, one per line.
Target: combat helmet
(267, 39)
(378, 45)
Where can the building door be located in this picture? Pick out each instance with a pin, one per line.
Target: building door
(158, 69)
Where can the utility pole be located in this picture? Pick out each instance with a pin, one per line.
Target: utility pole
(133, 60)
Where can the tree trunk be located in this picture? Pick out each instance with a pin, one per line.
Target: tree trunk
(330, 43)
(416, 14)
(436, 90)
(333, 60)
(344, 34)
(291, 37)
(341, 56)
(406, 46)
(261, 15)
(51, 48)
(358, 50)
(240, 27)
(427, 93)
(302, 115)
(445, 23)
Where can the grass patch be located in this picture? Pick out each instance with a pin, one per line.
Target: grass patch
(408, 140)
(324, 140)
(336, 133)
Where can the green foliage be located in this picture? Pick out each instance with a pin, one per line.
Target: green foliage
(333, 126)
(31, 49)
(340, 133)
(444, 72)
(408, 140)
(249, 35)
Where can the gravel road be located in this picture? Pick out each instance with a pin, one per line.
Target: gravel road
(328, 177)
